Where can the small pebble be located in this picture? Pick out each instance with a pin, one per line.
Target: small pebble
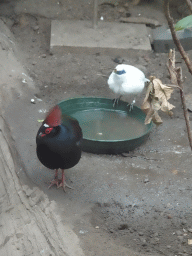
(126, 5)
(36, 28)
(118, 60)
(121, 10)
(180, 238)
(178, 233)
(144, 243)
(44, 55)
(128, 14)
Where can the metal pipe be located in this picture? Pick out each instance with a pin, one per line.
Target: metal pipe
(95, 11)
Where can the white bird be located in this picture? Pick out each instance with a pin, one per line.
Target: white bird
(126, 79)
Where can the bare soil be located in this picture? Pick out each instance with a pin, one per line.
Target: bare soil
(134, 204)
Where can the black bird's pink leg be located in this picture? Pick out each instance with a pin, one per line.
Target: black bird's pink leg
(63, 182)
(56, 180)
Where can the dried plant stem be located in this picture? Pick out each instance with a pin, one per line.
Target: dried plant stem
(176, 73)
(174, 35)
(189, 5)
(185, 112)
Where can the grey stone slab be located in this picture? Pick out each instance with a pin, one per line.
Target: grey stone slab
(163, 42)
(80, 37)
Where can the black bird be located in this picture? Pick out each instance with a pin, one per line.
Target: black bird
(59, 143)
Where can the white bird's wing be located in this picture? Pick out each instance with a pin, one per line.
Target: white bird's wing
(132, 88)
(113, 84)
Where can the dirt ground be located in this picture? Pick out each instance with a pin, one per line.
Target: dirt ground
(134, 204)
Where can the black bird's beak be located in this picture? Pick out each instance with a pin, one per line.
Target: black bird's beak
(40, 135)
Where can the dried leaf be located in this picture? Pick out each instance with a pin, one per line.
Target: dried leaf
(146, 104)
(173, 74)
(149, 116)
(162, 91)
(157, 119)
(156, 104)
(156, 98)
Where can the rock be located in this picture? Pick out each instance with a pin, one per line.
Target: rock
(128, 14)
(135, 2)
(126, 5)
(180, 238)
(146, 180)
(155, 240)
(118, 60)
(44, 55)
(121, 10)
(178, 233)
(144, 242)
(123, 227)
(35, 28)
(184, 222)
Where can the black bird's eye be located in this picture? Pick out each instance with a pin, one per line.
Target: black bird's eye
(48, 130)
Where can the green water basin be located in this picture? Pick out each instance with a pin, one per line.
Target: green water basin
(107, 129)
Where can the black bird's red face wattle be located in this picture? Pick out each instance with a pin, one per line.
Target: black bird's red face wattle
(47, 131)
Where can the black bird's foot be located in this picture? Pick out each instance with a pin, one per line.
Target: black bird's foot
(55, 182)
(64, 185)
(59, 182)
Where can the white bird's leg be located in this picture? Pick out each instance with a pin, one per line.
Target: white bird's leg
(116, 100)
(131, 105)
(63, 183)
